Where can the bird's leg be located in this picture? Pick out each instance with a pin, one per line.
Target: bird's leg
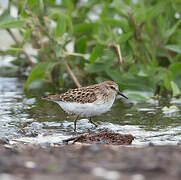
(95, 124)
(75, 122)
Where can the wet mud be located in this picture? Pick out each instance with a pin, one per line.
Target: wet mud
(32, 162)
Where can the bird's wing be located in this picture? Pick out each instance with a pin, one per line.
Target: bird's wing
(80, 95)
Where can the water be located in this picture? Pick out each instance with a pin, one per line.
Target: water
(37, 121)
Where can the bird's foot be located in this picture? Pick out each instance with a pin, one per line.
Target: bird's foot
(92, 122)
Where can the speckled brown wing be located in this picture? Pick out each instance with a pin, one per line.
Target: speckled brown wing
(80, 95)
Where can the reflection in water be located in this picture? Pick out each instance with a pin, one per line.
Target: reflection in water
(22, 117)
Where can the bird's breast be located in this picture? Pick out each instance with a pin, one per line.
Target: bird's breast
(87, 109)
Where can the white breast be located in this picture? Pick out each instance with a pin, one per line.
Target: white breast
(87, 109)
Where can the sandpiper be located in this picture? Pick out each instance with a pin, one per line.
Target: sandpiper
(88, 101)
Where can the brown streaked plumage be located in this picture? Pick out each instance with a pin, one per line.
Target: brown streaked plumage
(88, 101)
(79, 95)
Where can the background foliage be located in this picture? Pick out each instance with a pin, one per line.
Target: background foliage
(147, 32)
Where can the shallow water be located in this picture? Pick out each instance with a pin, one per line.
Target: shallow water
(23, 118)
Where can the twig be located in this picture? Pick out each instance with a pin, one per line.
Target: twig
(138, 27)
(118, 52)
(44, 29)
(19, 45)
(75, 139)
(71, 73)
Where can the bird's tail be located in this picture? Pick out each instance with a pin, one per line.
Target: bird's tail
(51, 98)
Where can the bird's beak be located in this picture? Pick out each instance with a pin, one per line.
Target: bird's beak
(119, 93)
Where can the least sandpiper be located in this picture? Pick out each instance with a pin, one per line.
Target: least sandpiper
(88, 101)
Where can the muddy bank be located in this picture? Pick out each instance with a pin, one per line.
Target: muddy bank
(90, 162)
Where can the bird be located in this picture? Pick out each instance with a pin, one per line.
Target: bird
(88, 101)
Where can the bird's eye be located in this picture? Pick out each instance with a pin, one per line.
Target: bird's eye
(112, 87)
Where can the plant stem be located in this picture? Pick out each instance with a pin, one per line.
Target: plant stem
(75, 54)
(118, 52)
(19, 45)
(71, 73)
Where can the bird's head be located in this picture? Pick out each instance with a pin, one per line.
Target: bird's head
(113, 87)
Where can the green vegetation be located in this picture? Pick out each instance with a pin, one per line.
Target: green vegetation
(147, 33)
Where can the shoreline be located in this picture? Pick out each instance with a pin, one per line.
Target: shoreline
(81, 161)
